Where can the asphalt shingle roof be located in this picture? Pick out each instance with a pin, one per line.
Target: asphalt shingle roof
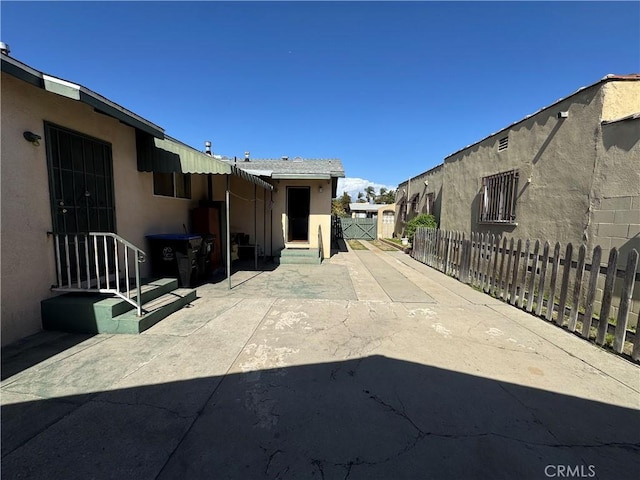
(274, 168)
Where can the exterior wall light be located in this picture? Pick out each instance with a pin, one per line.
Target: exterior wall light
(563, 114)
(32, 138)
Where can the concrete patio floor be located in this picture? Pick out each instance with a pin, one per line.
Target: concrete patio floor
(369, 366)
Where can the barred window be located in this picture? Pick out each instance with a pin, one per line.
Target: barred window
(498, 198)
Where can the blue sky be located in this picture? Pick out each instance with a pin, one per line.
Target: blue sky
(390, 88)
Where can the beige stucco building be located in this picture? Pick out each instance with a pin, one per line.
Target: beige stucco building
(567, 173)
(74, 161)
(570, 172)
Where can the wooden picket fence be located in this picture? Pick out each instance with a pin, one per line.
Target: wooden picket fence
(547, 284)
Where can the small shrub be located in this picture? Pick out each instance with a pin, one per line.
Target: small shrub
(422, 220)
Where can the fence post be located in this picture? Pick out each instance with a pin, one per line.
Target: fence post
(625, 301)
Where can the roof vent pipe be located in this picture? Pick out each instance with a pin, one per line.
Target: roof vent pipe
(4, 48)
(207, 148)
(246, 156)
(285, 158)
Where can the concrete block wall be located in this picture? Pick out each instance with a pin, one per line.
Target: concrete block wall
(616, 223)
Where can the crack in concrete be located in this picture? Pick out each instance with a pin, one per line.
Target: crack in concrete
(318, 465)
(422, 434)
(144, 404)
(266, 470)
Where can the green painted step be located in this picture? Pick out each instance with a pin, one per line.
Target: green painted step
(95, 313)
(156, 310)
(299, 260)
(299, 252)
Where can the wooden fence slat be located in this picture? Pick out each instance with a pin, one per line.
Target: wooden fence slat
(607, 293)
(514, 278)
(505, 281)
(467, 261)
(487, 274)
(486, 269)
(484, 239)
(498, 276)
(566, 272)
(447, 269)
(541, 282)
(635, 353)
(471, 254)
(532, 278)
(625, 301)
(523, 281)
(577, 288)
(456, 255)
(492, 279)
(551, 302)
(591, 291)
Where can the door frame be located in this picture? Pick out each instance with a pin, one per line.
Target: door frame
(288, 238)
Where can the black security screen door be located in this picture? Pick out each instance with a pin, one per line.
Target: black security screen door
(298, 200)
(82, 200)
(80, 182)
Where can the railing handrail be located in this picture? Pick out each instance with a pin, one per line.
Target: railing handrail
(63, 250)
(117, 237)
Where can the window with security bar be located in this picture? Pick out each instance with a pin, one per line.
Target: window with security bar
(498, 198)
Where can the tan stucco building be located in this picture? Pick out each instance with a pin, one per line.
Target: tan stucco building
(74, 161)
(567, 173)
(574, 167)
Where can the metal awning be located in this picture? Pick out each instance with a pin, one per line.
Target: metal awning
(169, 155)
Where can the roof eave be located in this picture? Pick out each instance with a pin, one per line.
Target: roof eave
(77, 92)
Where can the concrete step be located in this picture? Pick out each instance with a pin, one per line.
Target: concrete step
(299, 252)
(154, 311)
(96, 313)
(300, 260)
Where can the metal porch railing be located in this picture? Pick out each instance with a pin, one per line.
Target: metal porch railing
(100, 262)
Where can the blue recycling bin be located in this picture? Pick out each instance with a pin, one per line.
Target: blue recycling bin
(176, 255)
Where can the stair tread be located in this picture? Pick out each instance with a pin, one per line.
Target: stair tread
(167, 298)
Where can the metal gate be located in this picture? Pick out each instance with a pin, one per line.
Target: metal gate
(358, 228)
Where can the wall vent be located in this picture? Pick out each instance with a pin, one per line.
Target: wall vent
(503, 143)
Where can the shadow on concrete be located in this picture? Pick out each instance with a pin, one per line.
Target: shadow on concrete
(373, 417)
(37, 348)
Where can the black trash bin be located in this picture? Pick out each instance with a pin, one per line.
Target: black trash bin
(176, 255)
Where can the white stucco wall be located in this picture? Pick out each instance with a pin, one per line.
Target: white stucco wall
(28, 269)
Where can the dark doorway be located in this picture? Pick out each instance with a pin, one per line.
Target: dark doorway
(298, 201)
